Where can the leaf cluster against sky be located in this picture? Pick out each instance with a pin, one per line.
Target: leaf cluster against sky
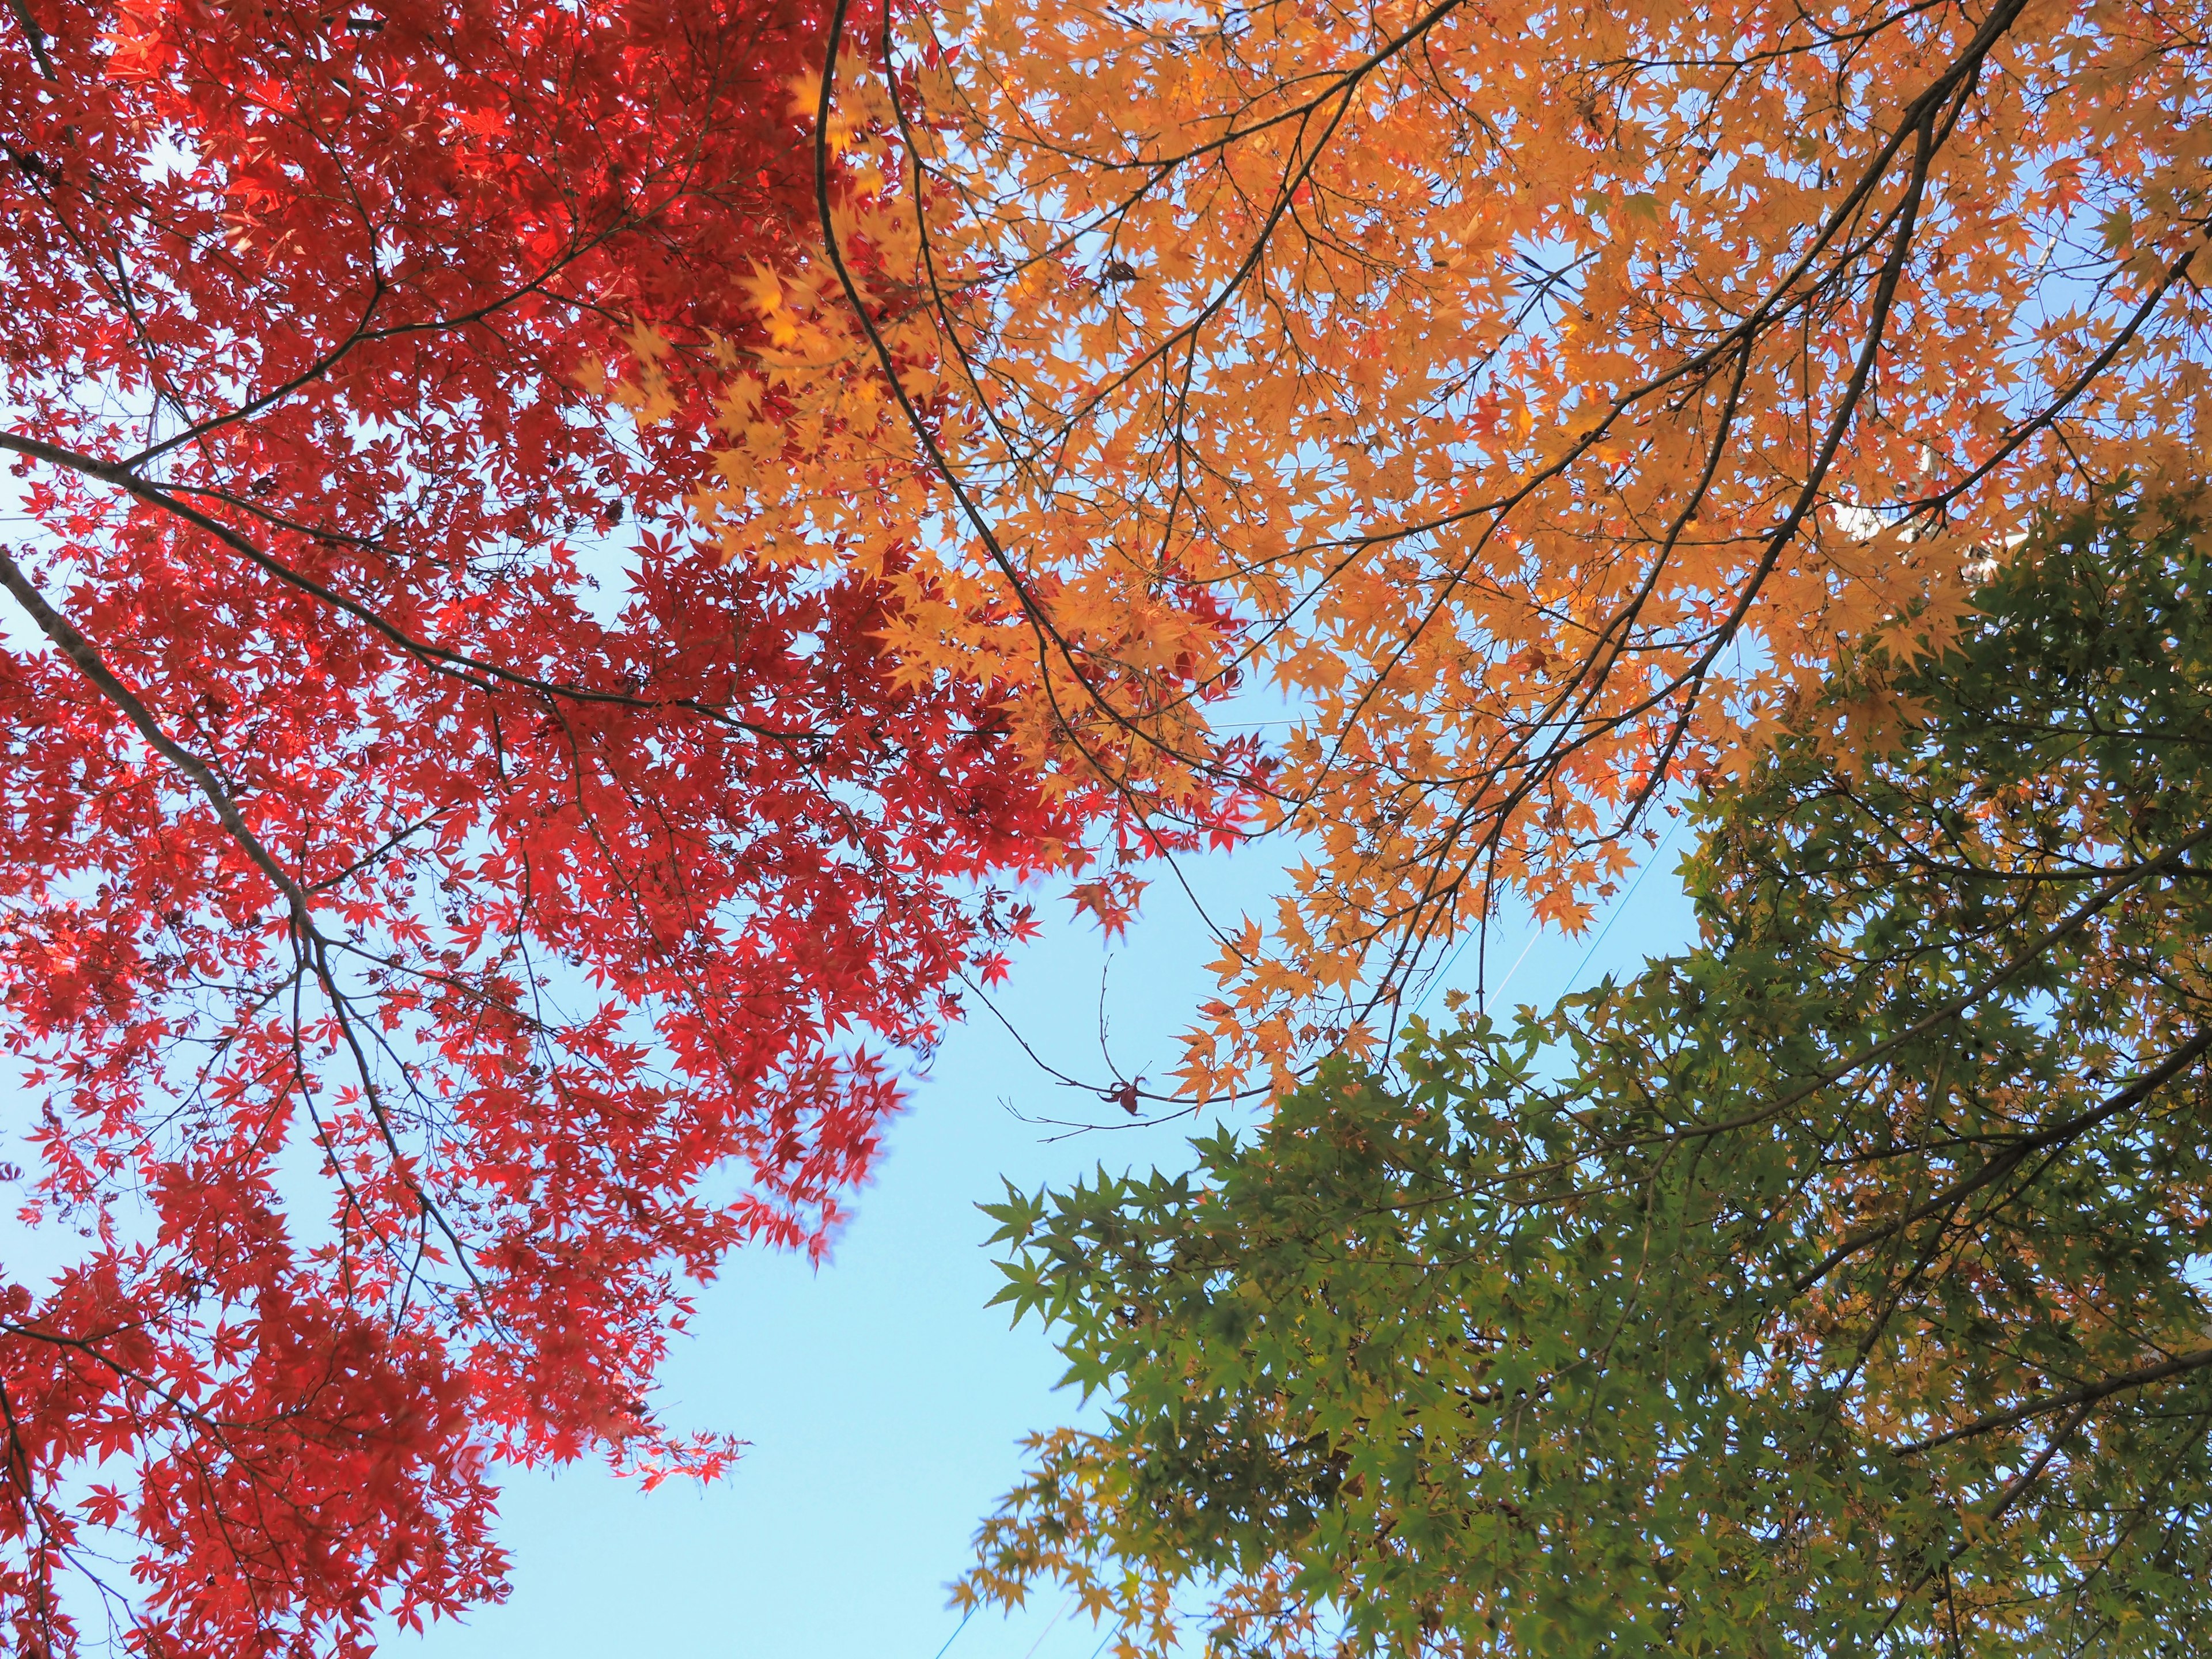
(992, 404)
(1835, 1287)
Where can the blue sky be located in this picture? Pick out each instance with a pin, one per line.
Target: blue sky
(884, 1402)
(882, 1399)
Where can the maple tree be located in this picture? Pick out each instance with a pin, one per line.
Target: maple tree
(1834, 1287)
(424, 966)
(1527, 401)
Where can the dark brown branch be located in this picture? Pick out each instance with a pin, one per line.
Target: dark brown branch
(1995, 1168)
(438, 656)
(87, 662)
(86, 659)
(34, 36)
(2089, 1393)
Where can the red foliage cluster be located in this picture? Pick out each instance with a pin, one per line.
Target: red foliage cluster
(424, 968)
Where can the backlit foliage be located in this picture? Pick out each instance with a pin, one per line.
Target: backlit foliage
(1835, 1287)
(1525, 400)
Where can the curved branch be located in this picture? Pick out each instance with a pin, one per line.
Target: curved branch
(2088, 1394)
(443, 658)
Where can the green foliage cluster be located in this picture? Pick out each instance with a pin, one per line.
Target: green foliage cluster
(1836, 1287)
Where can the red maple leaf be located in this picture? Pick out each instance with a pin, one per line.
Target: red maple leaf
(1111, 899)
(341, 815)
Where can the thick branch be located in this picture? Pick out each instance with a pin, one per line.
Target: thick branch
(2088, 1394)
(80, 653)
(33, 35)
(438, 656)
(2055, 1135)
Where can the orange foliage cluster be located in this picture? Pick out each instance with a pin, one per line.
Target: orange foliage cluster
(1531, 398)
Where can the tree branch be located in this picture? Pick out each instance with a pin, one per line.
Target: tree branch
(2088, 1394)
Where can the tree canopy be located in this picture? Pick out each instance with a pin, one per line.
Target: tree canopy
(1519, 382)
(1029, 438)
(1835, 1287)
(426, 966)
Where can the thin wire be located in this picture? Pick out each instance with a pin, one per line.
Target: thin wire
(1452, 962)
(1047, 1629)
(1643, 870)
(956, 1629)
(1534, 933)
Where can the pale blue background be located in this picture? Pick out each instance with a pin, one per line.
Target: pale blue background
(882, 1401)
